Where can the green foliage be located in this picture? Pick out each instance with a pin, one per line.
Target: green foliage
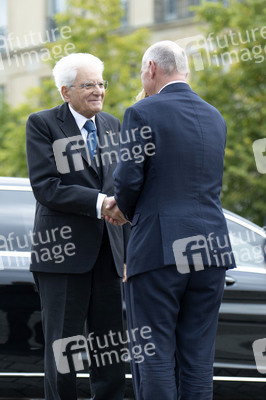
(95, 28)
(13, 122)
(233, 80)
(12, 140)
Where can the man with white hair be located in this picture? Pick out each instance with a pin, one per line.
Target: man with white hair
(175, 269)
(78, 263)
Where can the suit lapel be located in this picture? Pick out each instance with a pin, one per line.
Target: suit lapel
(103, 131)
(70, 129)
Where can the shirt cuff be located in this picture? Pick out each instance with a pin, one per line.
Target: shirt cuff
(99, 204)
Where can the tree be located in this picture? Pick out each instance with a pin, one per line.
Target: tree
(13, 123)
(96, 28)
(231, 76)
(12, 140)
(86, 26)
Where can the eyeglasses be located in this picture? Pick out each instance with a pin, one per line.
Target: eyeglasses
(92, 85)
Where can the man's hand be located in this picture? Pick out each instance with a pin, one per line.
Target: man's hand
(111, 212)
(125, 273)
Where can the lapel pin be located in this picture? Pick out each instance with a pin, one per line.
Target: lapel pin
(107, 132)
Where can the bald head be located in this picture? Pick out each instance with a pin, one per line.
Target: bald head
(170, 57)
(163, 62)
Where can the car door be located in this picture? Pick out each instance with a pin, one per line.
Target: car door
(21, 340)
(242, 317)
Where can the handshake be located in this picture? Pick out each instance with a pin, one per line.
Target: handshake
(111, 212)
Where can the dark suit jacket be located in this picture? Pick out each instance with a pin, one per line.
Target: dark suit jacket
(174, 193)
(66, 219)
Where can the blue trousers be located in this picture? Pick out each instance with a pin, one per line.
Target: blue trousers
(180, 316)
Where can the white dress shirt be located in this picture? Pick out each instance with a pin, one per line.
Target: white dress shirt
(170, 83)
(80, 121)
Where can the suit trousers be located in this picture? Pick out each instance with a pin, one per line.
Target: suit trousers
(181, 311)
(67, 302)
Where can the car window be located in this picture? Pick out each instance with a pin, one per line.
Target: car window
(248, 246)
(16, 224)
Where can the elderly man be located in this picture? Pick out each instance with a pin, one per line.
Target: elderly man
(78, 263)
(179, 238)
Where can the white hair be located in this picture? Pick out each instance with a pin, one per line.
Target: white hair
(65, 70)
(169, 56)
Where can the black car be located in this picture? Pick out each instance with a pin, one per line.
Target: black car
(242, 317)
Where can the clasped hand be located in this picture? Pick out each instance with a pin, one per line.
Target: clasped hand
(111, 212)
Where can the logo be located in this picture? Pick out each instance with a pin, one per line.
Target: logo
(259, 149)
(191, 252)
(259, 350)
(194, 46)
(67, 154)
(68, 354)
(1, 260)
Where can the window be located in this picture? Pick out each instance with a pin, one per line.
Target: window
(125, 8)
(16, 225)
(165, 10)
(247, 245)
(54, 7)
(170, 10)
(3, 17)
(57, 6)
(184, 8)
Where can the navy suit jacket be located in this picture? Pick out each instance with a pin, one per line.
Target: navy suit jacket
(66, 192)
(171, 191)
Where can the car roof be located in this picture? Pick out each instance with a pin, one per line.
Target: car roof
(11, 181)
(244, 222)
(16, 184)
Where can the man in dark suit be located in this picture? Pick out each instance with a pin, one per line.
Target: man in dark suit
(179, 248)
(77, 259)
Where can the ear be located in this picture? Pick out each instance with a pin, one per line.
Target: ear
(152, 67)
(65, 93)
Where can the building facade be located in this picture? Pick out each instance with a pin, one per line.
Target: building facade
(26, 26)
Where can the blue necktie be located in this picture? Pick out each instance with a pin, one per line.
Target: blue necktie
(91, 137)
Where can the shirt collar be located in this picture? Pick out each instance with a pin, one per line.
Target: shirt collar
(171, 83)
(79, 118)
